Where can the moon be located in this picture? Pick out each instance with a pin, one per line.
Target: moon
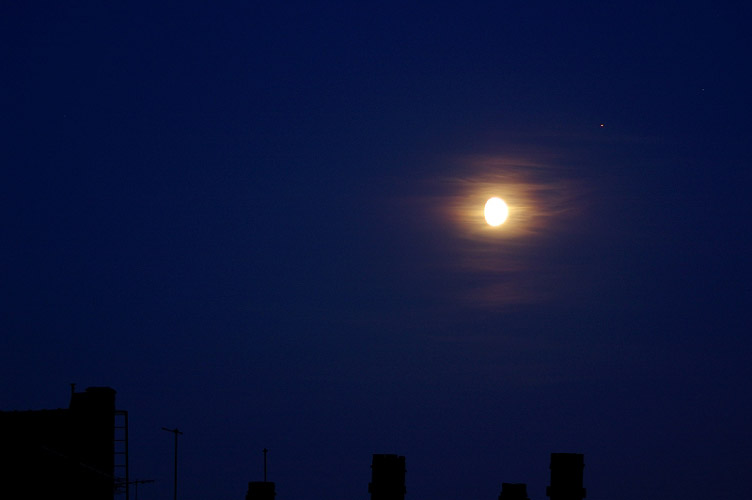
(496, 211)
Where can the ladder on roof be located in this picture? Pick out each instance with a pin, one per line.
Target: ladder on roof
(122, 481)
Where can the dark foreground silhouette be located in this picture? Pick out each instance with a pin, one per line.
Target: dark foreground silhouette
(82, 452)
(52, 453)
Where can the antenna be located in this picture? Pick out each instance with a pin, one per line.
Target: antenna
(175, 485)
(265, 451)
(140, 481)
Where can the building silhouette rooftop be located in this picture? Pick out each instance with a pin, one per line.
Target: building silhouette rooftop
(71, 453)
(62, 453)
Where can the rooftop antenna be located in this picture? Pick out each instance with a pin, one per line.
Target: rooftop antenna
(140, 481)
(265, 451)
(175, 486)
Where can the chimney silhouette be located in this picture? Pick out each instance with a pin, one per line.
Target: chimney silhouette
(260, 490)
(566, 476)
(513, 491)
(387, 477)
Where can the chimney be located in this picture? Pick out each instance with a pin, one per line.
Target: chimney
(260, 490)
(513, 491)
(566, 477)
(387, 477)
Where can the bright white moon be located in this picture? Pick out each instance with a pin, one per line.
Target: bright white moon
(496, 211)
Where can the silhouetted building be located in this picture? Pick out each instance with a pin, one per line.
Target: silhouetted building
(513, 491)
(64, 453)
(387, 477)
(260, 490)
(566, 476)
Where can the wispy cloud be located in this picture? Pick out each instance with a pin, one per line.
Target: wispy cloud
(517, 262)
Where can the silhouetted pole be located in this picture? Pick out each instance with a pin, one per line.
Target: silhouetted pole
(176, 432)
(265, 450)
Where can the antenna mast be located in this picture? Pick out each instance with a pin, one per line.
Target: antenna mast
(265, 450)
(175, 480)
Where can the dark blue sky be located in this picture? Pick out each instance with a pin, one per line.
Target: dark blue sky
(262, 224)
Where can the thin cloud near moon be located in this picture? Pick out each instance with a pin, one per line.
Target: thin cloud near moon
(540, 200)
(509, 264)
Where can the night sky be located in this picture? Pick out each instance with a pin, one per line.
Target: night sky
(262, 223)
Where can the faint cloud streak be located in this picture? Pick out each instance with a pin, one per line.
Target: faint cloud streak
(517, 262)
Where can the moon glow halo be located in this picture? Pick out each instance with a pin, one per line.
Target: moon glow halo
(496, 211)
